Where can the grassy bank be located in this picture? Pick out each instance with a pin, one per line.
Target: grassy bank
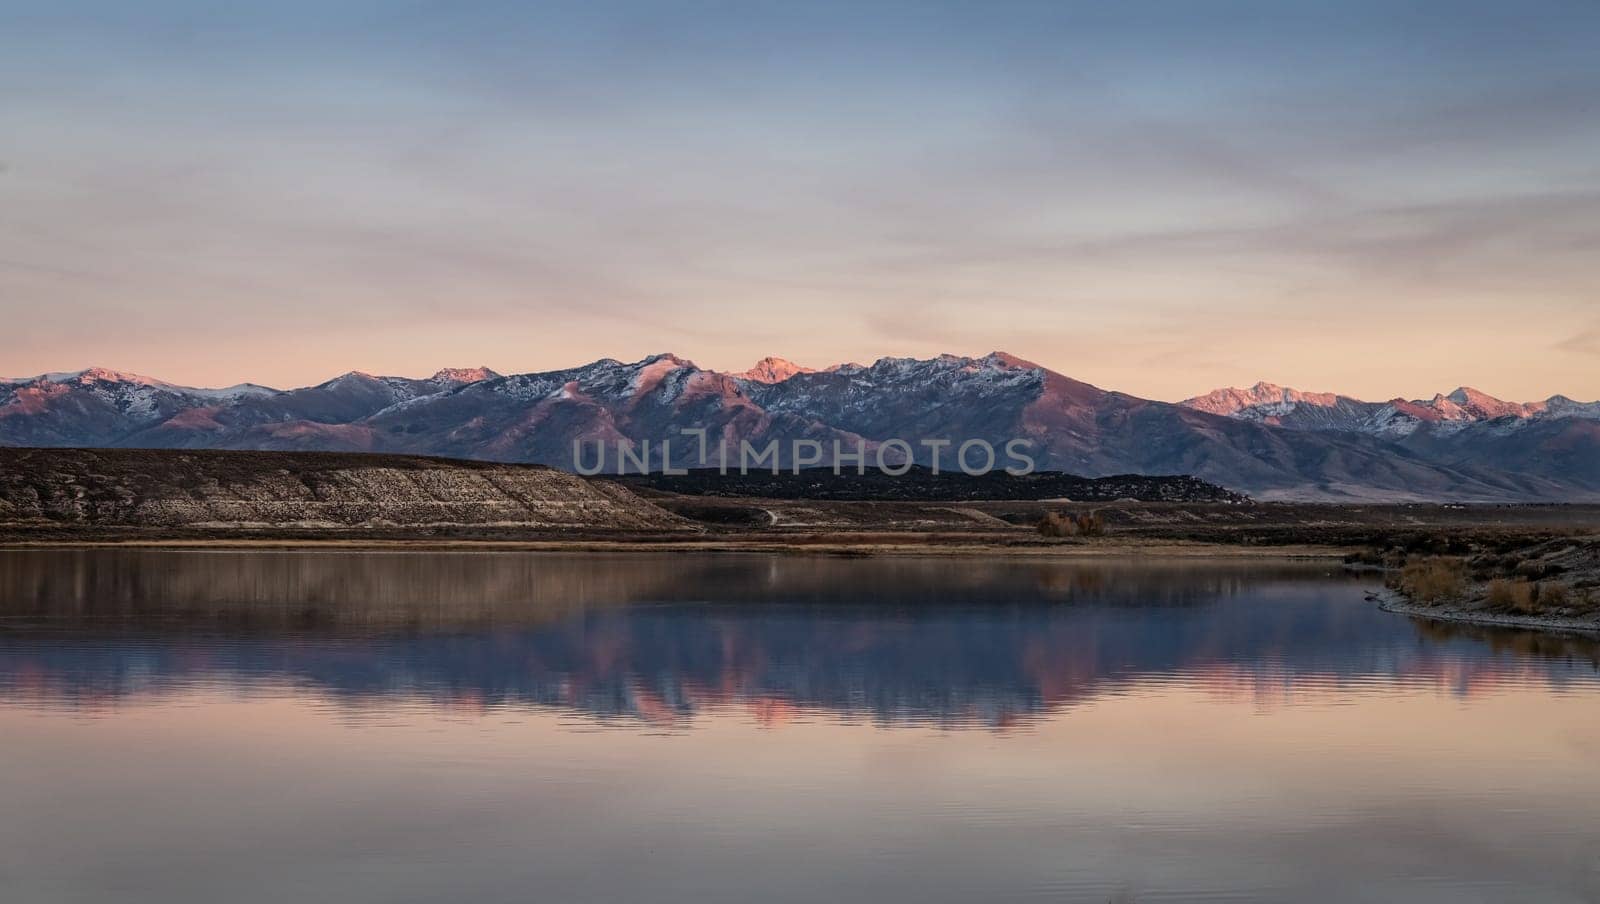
(1550, 583)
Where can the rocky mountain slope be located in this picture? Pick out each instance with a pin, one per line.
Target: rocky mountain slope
(1267, 441)
(148, 488)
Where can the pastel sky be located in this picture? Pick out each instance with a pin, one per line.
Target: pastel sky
(1378, 198)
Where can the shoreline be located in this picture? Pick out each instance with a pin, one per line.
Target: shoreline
(1394, 601)
(877, 546)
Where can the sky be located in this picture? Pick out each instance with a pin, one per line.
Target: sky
(1380, 199)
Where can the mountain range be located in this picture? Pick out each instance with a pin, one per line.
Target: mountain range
(1269, 441)
(1281, 406)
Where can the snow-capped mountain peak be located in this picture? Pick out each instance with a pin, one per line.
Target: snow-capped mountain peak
(463, 375)
(1264, 401)
(90, 375)
(1482, 406)
(773, 370)
(107, 377)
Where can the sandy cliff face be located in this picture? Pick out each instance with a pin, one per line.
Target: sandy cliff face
(202, 489)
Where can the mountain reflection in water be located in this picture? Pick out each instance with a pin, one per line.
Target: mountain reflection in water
(661, 639)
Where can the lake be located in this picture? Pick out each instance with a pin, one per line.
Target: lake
(242, 726)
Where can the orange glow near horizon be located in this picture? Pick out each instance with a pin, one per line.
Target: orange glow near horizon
(1374, 368)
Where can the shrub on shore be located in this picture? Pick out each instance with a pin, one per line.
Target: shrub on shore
(1518, 596)
(1587, 599)
(1369, 557)
(1434, 580)
(1553, 596)
(1056, 524)
(1065, 524)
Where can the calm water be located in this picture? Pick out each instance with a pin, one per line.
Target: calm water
(243, 727)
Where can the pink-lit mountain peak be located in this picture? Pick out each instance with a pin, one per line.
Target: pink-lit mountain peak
(667, 359)
(90, 375)
(773, 369)
(107, 375)
(1006, 359)
(1482, 405)
(1230, 401)
(652, 371)
(463, 375)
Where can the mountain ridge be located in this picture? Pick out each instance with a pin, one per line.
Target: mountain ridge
(1397, 417)
(1266, 440)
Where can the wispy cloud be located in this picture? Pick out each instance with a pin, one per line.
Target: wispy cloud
(1586, 342)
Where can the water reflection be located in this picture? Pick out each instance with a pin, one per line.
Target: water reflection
(663, 640)
(268, 727)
